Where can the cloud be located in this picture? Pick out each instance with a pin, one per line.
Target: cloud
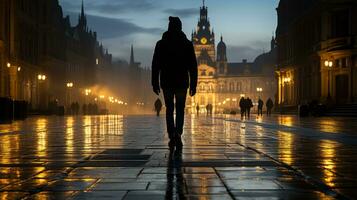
(114, 27)
(111, 6)
(238, 53)
(184, 13)
(116, 7)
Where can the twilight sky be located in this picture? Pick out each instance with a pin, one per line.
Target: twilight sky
(247, 25)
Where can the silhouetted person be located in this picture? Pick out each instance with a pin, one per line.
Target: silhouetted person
(84, 109)
(158, 106)
(260, 107)
(249, 105)
(269, 104)
(76, 108)
(174, 68)
(242, 107)
(72, 109)
(95, 109)
(207, 109)
(210, 108)
(198, 109)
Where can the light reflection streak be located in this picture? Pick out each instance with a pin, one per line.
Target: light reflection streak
(41, 131)
(69, 135)
(87, 123)
(328, 153)
(286, 142)
(329, 125)
(285, 120)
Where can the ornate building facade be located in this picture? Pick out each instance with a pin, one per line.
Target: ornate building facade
(317, 51)
(221, 83)
(40, 52)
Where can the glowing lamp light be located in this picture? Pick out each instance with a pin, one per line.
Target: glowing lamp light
(8, 65)
(70, 85)
(328, 63)
(41, 77)
(19, 69)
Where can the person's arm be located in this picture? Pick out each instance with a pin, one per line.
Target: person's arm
(193, 71)
(155, 70)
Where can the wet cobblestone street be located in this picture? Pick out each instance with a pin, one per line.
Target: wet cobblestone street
(126, 157)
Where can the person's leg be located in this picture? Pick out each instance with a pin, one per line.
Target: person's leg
(169, 102)
(180, 96)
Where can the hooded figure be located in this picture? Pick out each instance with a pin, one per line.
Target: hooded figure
(174, 69)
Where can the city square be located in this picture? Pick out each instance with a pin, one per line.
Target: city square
(126, 157)
(189, 99)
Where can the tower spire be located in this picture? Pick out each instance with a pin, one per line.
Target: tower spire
(132, 59)
(82, 10)
(203, 3)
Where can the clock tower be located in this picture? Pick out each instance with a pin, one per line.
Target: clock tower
(203, 39)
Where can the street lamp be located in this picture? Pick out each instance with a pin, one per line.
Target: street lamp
(41, 77)
(329, 65)
(8, 65)
(88, 91)
(70, 85)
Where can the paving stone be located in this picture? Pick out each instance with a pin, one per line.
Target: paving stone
(126, 157)
(100, 195)
(147, 195)
(119, 186)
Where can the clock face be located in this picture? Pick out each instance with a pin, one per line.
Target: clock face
(203, 40)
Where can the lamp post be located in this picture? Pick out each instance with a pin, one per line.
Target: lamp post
(40, 78)
(329, 65)
(286, 81)
(259, 90)
(69, 86)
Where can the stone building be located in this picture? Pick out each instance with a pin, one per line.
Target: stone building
(316, 45)
(40, 52)
(221, 83)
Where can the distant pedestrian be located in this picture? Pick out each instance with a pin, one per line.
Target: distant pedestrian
(249, 106)
(269, 104)
(198, 109)
(158, 106)
(72, 108)
(207, 109)
(210, 109)
(242, 107)
(84, 109)
(76, 108)
(260, 107)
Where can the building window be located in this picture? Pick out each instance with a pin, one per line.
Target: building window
(239, 86)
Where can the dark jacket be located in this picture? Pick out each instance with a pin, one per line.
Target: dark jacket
(174, 62)
(270, 104)
(260, 104)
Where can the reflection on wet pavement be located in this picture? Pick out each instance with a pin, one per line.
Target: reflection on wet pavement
(126, 157)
